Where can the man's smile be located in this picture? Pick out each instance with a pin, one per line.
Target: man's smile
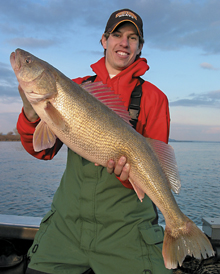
(122, 53)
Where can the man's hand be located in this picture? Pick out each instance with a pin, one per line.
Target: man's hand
(121, 168)
(28, 109)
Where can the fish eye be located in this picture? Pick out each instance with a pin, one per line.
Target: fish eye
(28, 60)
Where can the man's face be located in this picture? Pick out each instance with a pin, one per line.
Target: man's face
(122, 47)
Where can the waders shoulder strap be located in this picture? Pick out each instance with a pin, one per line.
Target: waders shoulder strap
(134, 107)
(91, 78)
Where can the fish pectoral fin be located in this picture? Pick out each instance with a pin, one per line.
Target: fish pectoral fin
(43, 137)
(140, 193)
(166, 157)
(54, 116)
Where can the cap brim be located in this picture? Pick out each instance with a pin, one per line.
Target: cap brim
(127, 20)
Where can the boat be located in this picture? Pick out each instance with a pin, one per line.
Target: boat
(17, 234)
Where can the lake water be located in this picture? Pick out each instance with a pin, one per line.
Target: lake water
(27, 185)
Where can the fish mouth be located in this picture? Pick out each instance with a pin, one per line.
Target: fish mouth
(15, 63)
(12, 59)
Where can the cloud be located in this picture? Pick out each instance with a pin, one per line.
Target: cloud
(168, 24)
(31, 42)
(5, 72)
(8, 121)
(213, 130)
(52, 15)
(8, 81)
(10, 104)
(190, 103)
(174, 24)
(195, 132)
(9, 91)
(93, 52)
(209, 99)
(208, 66)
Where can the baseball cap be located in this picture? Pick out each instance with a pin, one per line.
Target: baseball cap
(124, 15)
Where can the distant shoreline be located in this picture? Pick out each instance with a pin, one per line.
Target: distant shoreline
(10, 137)
(191, 141)
(16, 137)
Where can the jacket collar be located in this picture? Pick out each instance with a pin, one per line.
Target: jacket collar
(125, 81)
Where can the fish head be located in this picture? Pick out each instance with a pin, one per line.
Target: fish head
(36, 77)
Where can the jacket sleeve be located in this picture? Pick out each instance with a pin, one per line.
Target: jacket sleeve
(154, 120)
(158, 123)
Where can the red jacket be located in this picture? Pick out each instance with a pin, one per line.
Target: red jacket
(153, 120)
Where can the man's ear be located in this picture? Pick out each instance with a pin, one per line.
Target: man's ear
(140, 47)
(104, 42)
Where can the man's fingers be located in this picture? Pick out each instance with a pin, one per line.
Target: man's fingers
(22, 93)
(110, 166)
(29, 112)
(20, 89)
(125, 172)
(119, 166)
(24, 98)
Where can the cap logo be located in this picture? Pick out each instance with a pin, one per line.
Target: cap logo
(126, 13)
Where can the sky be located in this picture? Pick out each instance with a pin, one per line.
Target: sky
(182, 48)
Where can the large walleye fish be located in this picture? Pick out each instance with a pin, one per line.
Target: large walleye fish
(92, 121)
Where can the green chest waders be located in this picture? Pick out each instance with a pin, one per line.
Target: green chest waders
(95, 222)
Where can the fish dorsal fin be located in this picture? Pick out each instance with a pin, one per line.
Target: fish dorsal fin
(107, 96)
(166, 157)
(43, 137)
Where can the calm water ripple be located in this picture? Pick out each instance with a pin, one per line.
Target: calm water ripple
(28, 184)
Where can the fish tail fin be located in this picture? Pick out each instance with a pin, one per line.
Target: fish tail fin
(188, 241)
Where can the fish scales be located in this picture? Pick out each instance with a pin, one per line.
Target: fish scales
(87, 121)
(94, 131)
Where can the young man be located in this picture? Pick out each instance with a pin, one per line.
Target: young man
(96, 220)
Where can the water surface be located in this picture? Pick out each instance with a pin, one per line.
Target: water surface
(27, 184)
